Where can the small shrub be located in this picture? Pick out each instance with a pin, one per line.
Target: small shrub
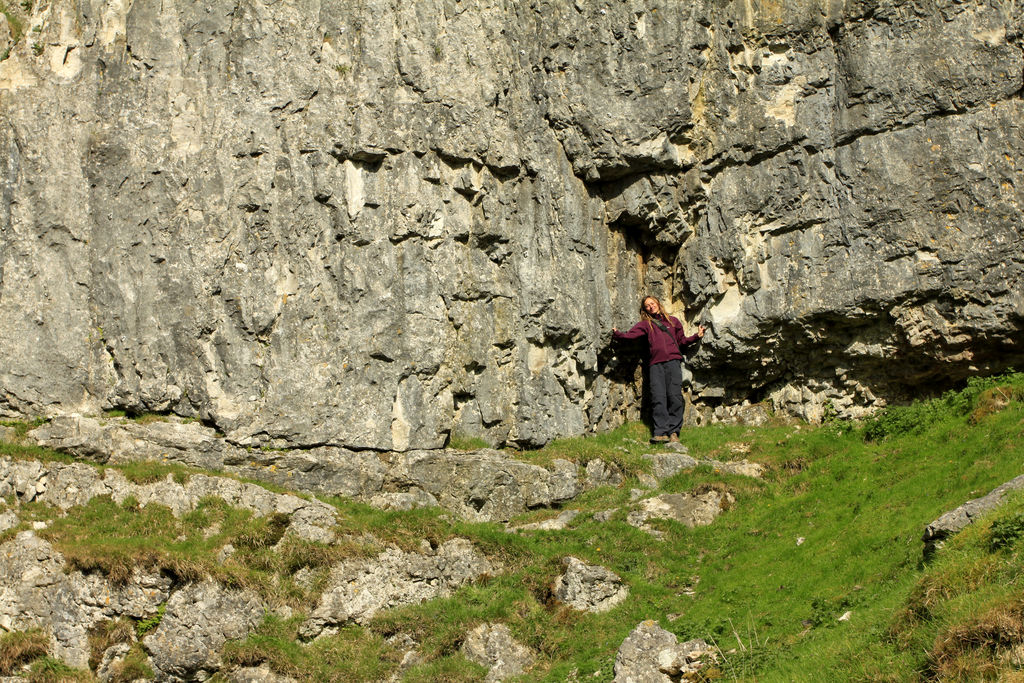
(1005, 532)
(994, 400)
(149, 471)
(144, 626)
(267, 532)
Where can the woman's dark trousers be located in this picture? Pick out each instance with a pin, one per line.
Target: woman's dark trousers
(666, 381)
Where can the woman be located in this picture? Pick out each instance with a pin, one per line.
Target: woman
(665, 339)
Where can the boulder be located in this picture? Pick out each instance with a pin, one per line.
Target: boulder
(653, 655)
(589, 588)
(493, 646)
(358, 589)
(691, 510)
(198, 620)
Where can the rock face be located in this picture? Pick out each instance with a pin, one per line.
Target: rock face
(38, 593)
(479, 485)
(318, 224)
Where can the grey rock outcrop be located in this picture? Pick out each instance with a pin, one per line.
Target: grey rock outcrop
(199, 620)
(37, 593)
(372, 225)
(493, 646)
(653, 655)
(67, 485)
(257, 674)
(692, 510)
(479, 485)
(557, 523)
(957, 519)
(358, 589)
(588, 587)
(664, 465)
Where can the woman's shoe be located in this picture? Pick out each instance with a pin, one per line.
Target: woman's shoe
(673, 438)
(659, 439)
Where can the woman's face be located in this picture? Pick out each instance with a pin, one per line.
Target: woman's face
(651, 306)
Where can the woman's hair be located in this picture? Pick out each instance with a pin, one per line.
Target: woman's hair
(644, 315)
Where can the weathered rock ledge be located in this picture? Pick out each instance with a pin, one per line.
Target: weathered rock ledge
(477, 485)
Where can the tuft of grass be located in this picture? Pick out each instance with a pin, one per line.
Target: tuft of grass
(106, 634)
(21, 647)
(463, 442)
(135, 666)
(50, 670)
(150, 471)
(353, 654)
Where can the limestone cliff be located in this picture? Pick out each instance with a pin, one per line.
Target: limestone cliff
(368, 224)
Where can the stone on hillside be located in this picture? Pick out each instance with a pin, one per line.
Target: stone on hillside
(198, 620)
(600, 473)
(257, 674)
(486, 485)
(744, 468)
(554, 524)
(8, 520)
(957, 519)
(690, 509)
(358, 589)
(67, 485)
(412, 499)
(650, 654)
(665, 465)
(493, 646)
(589, 588)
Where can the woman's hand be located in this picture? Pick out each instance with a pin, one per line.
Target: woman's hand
(700, 331)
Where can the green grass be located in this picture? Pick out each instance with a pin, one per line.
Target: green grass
(461, 442)
(834, 526)
(21, 647)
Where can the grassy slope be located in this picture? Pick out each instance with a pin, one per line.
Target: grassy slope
(769, 600)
